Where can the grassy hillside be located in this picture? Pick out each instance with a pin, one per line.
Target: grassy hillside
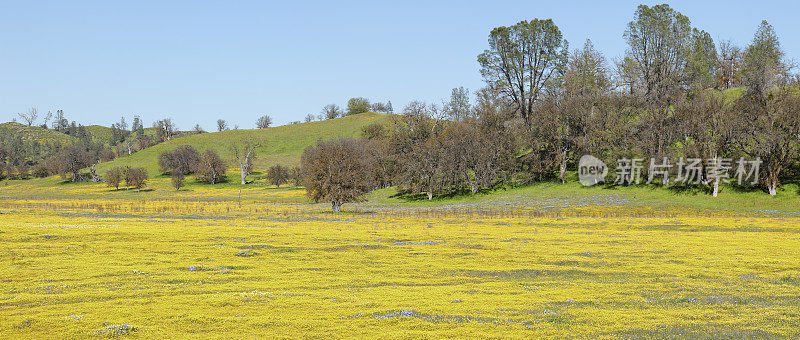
(35, 133)
(279, 145)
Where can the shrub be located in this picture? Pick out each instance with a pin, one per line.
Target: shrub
(23, 171)
(40, 171)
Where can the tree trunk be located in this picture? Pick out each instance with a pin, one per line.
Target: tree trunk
(563, 166)
(336, 206)
(243, 174)
(772, 180)
(716, 187)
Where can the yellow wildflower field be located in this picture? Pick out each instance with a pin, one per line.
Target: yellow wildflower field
(252, 269)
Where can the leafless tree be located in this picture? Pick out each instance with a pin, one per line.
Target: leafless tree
(336, 171)
(182, 160)
(331, 111)
(277, 175)
(211, 168)
(264, 122)
(30, 116)
(136, 178)
(165, 129)
(770, 126)
(70, 160)
(222, 125)
(245, 155)
(178, 181)
(115, 176)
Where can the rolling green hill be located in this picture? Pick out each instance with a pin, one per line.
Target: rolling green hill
(31, 134)
(279, 145)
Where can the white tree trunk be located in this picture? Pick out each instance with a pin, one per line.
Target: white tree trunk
(563, 167)
(716, 187)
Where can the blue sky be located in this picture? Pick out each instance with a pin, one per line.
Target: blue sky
(197, 61)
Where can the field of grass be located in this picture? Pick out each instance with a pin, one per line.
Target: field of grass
(257, 261)
(279, 145)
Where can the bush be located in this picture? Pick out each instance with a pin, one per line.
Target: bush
(40, 171)
(23, 171)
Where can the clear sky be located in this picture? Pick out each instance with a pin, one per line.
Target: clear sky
(197, 61)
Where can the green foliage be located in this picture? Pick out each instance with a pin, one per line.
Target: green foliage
(762, 60)
(357, 105)
(702, 62)
(523, 60)
(658, 41)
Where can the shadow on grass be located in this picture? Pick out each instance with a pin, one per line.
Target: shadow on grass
(460, 193)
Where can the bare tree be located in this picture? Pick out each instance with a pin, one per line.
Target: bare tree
(136, 178)
(30, 116)
(264, 122)
(165, 129)
(771, 126)
(331, 111)
(709, 128)
(182, 160)
(222, 125)
(277, 175)
(115, 176)
(245, 155)
(211, 168)
(337, 171)
(309, 118)
(178, 181)
(296, 176)
(70, 160)
(730, 64)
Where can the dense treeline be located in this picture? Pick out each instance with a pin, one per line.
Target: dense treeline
(675, 95)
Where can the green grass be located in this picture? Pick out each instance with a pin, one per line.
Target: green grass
(36, 133)
(552, 196)
(279, 145)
